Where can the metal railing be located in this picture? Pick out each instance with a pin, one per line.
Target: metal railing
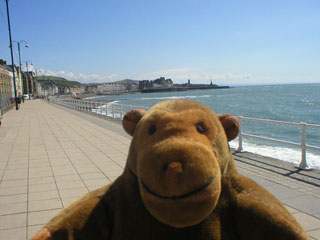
(302, 145)
(5, 109)
(111, 109)
(117, 111)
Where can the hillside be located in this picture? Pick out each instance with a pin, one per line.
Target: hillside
(127, 81)
(59, 81)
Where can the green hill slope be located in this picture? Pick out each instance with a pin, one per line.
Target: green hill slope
(59, 81)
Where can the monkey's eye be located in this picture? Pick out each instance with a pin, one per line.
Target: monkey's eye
(152, 129)
(200, 128)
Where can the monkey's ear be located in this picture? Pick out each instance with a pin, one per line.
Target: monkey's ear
(230, 124)
(131, 119)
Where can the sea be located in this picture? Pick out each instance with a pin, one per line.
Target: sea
(299, 103)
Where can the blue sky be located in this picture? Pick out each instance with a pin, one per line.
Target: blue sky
(230, 42)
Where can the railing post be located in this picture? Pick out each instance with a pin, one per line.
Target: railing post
(303, 164)
(105, 109)
(112, 109)
(240, 149)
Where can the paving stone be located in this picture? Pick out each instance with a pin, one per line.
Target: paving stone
(17, 166)
(13, 221)
(59, 162)
(114, 173)
(12, 208)
(317, 215)
(73, 192)
(63, 170)
(41, 180)
(38, 155)
(112, 178)
(44, 195)
(35, 161)
(38, 170)
(68, 200)
(305, 203)
(41, 205)
(282, 192)
(291, 210)
(87, 169)
(15, 174)
(70, 184)
(73, 177)
(42, 187)
(19, 198)
(13, 234)
(41, 217)
(96, 182)
(95, 175)
(47, 173)
(307, 222)
(5, 191)
(14, 183)
(315, 234)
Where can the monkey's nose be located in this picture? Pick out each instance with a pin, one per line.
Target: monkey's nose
(174, 168)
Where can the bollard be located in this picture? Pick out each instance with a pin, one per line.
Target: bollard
(303, 164)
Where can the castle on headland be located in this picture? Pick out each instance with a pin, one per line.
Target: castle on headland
(166, 85)
(161, 82)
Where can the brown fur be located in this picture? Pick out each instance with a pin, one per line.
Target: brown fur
(180, 182)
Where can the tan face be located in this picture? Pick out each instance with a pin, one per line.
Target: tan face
(177, 165)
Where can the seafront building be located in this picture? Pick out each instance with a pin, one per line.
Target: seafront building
(108, 88)
(49, 89)
(6, 89)
(26, 83)
(18, 78)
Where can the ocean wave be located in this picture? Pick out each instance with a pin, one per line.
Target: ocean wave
(292, 155)
(113, 102)
(307, 102)
(173, 97)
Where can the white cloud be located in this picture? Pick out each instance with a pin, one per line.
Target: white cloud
(83, 78)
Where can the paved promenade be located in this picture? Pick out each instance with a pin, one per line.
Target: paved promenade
(49, 156)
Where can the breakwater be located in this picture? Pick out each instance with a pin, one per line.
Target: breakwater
(180, 89)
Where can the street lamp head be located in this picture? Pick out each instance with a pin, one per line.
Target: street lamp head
(27, 45)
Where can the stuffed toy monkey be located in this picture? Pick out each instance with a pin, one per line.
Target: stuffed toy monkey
(180, 182)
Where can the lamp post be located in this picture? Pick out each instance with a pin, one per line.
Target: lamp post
(18, 43)
(27, 76)
(12, 61)
(20, 64)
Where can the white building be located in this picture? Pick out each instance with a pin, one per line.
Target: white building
(110, 88)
